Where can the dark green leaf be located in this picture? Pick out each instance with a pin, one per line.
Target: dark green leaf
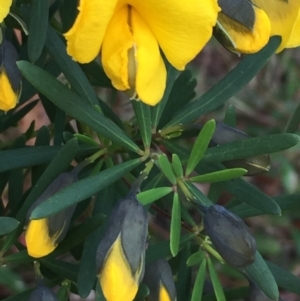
(175, 225)
(149, 196)
(200, 145)
(230, 117)
(262, 277)
(294, 121)
(166, 168)
(199, 282)
(215, 281)
(195, 258)
(82, 189)
(7, 224)
(37, 28)
(143, 116)
(228, 86)
(72, 104)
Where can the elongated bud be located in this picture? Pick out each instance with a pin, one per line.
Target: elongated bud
(121, 253)
(42, 293)
(230, 236)
(225, 134)
(43, 235)
(159, 279)
(10, 77)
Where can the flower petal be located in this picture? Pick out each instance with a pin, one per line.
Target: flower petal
(150, 69)
(38, 241)
(246, 40)
(4, 9)
(294, 39)
(116, 44)
(182, 28)
(85, 38)
(116, 278)
(8, 97)
(283, 15)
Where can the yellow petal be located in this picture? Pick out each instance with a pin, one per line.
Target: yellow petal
(116, 44)
(294, 39)
(150, 69)
(8, 98)
(4, 9)
(116, 279)
(245, 40)
(182, 28)
(85, 38)
(37, 238)
(163, 294)
(283, 15)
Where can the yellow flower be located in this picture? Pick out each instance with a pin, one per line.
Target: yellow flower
(121, 252)
(4, 9)
(284, 16)
(131, 33)
(242, 27)
(10, 77)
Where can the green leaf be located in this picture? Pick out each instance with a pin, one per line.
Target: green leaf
(228, 86)
(200, 145)
(284, 278)
(195, 258)
(149, 196)
(143, 116)
(157, 111)
(198, 194)
(11, 280)
(215, 281)
(217, 176)
(63, 293)
(37, 28)
(199, 282)
(83, 189)
(230, 117)
(70, 68)
(263, 278)
(175, 225)
(230, 294)
(294, 121)
(72, 104)
(177, 166)
(7, 224)
(251, 147)
(166, 168)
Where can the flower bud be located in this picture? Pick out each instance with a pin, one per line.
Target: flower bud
(43, 235)
(159, 279)
(121, 253)
(225, 134)
(230, 236)
(42, 293)
(10, 77)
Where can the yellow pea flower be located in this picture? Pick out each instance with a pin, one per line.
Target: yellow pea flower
(4, 9)
(159, 279)
(121, 253)
(131, 34)
(242, 27)
(10, 76)
(284, 16)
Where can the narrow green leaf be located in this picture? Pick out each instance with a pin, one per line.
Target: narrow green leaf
(230, 117)
(294, 121)
(15, 188)
(70, 68)
(262, 276)
(175, 225)
(230, 294)
(195, 258)
(217, 176)
(177, 166)
(37, 28)
(86, 140)
(143, 116)
(199, 282)
(228, 86)
(284, 278)
(7, 224)
(215, 281)
(157, 111)
(166, 168)
(63, 293)
(183, 283)
(198, 194)
(149, 196)
(83, 189)
(200, 145)
(72, 104)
